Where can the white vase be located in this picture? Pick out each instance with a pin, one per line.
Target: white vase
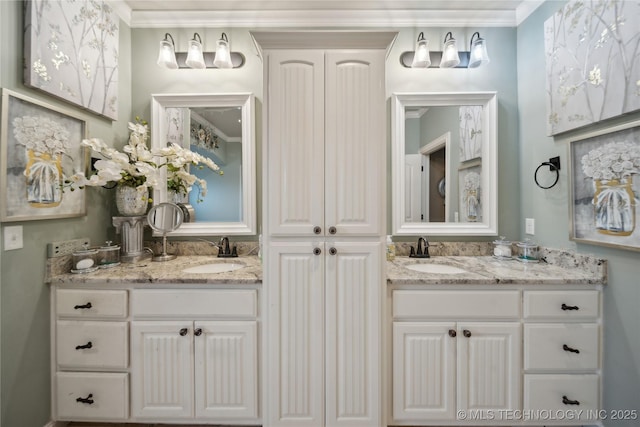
(131, 201)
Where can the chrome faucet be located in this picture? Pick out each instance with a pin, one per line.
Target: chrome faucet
(422, 250)
(224, 251)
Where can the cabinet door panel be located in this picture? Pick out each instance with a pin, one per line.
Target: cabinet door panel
(161, 369)
(353, 319)
(423, 371)
(295, 357)
(489, 366)
(226, 370)
(296, 142)
(355, 142)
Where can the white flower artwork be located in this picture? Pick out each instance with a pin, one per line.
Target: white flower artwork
(469, 194)
(592, 63)
(71, 52)
(470, 132)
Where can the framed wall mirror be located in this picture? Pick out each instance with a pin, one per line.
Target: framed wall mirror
(220, 127)
(444, 164)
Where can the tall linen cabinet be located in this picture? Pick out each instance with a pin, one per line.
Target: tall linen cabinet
(324, 196)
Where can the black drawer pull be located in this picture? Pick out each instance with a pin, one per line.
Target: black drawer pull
(569, 307)
(88, 400)
(569, 349)
(87, 305)
(568, 401)
(82, 347)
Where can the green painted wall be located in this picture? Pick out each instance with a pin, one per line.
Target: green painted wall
(550, 209)
(24, 312)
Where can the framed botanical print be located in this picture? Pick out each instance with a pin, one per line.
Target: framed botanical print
(605, 187)
(39, 147)
(469, 192)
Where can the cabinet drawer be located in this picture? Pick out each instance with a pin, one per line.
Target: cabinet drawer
(86, 304)
(456, 304)
(561, 304)
(569, 346)
(548, 392)
(200, 304)
(105, 345)
(107, 394)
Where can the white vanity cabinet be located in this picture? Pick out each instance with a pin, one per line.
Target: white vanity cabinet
(170, 354)
(562, 342)
(90, 355)
(501, 354)
(455, 350)
(194, 366)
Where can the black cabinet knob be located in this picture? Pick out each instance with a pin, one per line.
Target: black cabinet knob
(183, 332)
(197, 332)
(452, 333)
(317, 251)
(317, 230)
(466, 333)
(333, 251)
(333, 230)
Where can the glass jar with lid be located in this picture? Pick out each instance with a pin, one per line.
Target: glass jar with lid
(108, 255)
(502, 248)
(84, 260)
(528, 251)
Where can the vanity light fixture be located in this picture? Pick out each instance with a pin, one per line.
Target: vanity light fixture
(421, 58)
(167, 53)
(478, 51)
(195, 57)
(450, 57)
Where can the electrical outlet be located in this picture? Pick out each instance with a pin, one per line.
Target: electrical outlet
(530, 226)
(66, 247)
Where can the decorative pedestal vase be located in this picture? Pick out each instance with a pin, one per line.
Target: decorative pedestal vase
(614, 207)
(43, 174)
(472, 205)
(131, 201)
(132, 230)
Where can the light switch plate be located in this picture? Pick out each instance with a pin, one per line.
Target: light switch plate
(12, 237)
(530, 226)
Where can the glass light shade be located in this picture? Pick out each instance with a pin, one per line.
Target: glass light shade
(478, 55)
(167, 55)
(450, 57)
(195, 58)
(421, 57)
(223, 54)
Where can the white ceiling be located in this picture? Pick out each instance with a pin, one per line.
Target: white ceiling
(322, 13)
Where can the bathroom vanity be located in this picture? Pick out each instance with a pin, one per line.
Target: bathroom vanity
(474, 341)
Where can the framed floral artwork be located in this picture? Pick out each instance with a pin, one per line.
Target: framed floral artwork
(592, 54)
(469, 193)
(40, 146)
(604, 187)
(71, 52)
(470, 132)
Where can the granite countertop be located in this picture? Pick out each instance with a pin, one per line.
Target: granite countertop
(487, 270)
(561, 267)
(168, 272)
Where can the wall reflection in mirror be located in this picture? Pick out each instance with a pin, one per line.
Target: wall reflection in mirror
(221, 128)
(444, 163)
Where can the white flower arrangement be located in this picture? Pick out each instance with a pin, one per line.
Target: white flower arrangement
(472, 181)
(178, 179)
(615, 160)
(139, 167)
(41, 135)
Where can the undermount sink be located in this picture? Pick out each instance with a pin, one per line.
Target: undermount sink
(214, 267)
(435, 268)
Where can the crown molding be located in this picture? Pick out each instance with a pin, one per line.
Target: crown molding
(525, 9)
(379, 19)
(122, 9)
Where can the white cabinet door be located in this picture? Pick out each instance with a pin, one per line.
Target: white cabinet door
(424, 359)
(355, 140)
(353, 330)
(296, 142)
(489, 366)
(162, 369)
(226, 370)
(295, 358)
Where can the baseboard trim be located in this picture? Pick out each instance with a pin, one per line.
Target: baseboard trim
(56, 424)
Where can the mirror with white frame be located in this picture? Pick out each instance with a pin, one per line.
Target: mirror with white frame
(220, 127)
(444, 164)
